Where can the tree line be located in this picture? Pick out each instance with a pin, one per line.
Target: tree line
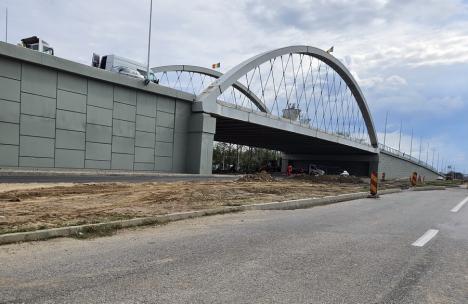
(238, 158)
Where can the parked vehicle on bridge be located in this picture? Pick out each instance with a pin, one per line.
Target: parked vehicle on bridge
(124, 66)
(36, 44)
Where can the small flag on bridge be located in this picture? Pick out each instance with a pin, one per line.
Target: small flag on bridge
(216, 65)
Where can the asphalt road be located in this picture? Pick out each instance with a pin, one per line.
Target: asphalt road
(353, 252)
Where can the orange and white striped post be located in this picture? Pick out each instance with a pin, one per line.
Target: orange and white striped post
(414, 179)
(373, 185)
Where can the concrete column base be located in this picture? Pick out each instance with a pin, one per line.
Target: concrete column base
(200, 143)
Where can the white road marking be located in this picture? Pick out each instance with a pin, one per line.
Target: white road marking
(425, 238)
(460, 205)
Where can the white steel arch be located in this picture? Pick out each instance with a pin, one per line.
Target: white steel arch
(209, 96)
(214, 74)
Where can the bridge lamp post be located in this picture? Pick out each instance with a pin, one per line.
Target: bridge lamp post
(399, 141)
(6, 24)
(385, 130)
(433, 152)
(427, 154)
(147, 80)
(420, 148)
(411, 145)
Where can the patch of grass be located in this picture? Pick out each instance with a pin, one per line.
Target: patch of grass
(96, 231)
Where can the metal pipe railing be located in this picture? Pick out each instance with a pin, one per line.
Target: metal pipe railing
(403, 155)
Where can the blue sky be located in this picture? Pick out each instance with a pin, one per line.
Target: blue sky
(410, 57)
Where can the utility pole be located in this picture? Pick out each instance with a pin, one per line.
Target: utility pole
(438, 169)
(149, 42)
(385, 132)
(399, 141)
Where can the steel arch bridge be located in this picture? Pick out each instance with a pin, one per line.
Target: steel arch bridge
(298, 99)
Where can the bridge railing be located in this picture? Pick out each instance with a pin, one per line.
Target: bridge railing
(406, 156)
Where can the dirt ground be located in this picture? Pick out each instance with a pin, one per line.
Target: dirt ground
(47, 206)
(25, 207)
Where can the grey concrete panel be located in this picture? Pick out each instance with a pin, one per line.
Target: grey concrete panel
(123, 128)
(72, 83)
(9, 133)
(65, 139)
(144, 155)
(10, 68)
(124, 111)
(163, 164)
(69, 158)
(166, 104)
(182, 116)
(99, 116)
(98, 151)
(38, 105)
(163, 149)
(36, 146)
(165, 120)
(39, 80)
(97, 164)
(202, 122)
(144, 123)
(143, 166)
(396, 167)
(9, 111)
(9, 155)
(99, 134)
(122, 161)
(71, 101)
(37, 162)
(71, 120)
(179, 152)
(164, 134)
(123, 145)
(9, 89)
(57, 63)
(37, 126)
(144, 139)
(146, 104)
(100, 94)
(125, 95)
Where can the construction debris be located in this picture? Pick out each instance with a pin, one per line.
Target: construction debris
(257, 177)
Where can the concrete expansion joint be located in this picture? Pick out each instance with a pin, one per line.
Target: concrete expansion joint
(162, 219)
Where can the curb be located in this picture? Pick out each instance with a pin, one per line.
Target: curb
(428, 188)
(162, 219)
(307, 202)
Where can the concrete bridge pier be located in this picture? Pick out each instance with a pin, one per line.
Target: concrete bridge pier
(201, 133)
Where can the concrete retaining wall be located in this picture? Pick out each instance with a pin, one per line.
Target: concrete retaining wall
(395, 167)
(59, 114)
